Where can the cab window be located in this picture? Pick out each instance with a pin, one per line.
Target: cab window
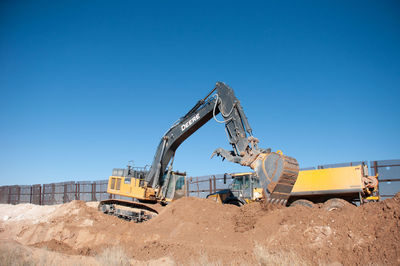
(246, 181)
(112, 183)
(256, 181)
(237, 183)
(180, 182)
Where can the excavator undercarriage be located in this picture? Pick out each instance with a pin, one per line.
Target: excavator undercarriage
(127, 210)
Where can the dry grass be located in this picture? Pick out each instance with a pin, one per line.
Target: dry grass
(43, 256)
(13, 255)
(113, 256)
(203, 260)
(265, 257)
(116, 256)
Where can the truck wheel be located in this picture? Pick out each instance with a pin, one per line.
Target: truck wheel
(335, 204)
(302, 202)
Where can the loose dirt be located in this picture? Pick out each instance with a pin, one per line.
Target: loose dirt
(199, 231)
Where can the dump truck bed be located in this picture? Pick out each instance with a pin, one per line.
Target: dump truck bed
(322, 184)
(329, 181)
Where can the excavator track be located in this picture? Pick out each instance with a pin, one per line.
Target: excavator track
(128, 210)
(278, 174)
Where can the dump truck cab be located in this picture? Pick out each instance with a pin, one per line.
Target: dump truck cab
(244, 188)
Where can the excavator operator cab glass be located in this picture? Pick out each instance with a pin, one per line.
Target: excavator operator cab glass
(237, 183)
(240, 182)
(246, 181)
(180, 182)
(256, 181)
(243, 184)
(179, 179)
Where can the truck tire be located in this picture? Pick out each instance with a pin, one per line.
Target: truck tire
(302, 202)
(335, 204)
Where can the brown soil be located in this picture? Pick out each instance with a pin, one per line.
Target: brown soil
(193, 231)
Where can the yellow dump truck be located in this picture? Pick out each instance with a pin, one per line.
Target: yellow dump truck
(351, 184)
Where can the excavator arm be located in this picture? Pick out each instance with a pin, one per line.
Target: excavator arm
(277, 172)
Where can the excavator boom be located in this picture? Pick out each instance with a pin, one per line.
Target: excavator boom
(277, 172)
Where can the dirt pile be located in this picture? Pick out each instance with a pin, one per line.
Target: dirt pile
(192, 230)
(352, 235)
(25, 212)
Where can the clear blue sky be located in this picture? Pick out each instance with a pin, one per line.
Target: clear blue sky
(87, 86)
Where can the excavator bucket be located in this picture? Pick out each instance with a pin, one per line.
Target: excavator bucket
(278, 174)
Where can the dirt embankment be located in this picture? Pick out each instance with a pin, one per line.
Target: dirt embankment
(192, 230)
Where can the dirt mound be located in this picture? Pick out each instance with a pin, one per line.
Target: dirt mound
(352, 235)
(26, 212)
(74, 225)
(192, 230)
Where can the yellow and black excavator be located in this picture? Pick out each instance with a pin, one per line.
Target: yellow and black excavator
(160, 184)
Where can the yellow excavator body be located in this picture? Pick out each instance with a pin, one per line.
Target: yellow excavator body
(137, 188)
(143, 203)
(130, 187)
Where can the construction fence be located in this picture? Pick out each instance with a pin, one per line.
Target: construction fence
(57, 193)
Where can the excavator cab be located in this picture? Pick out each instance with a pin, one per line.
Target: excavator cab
(173, 185)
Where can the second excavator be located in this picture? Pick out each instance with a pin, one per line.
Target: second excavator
(277, 173)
